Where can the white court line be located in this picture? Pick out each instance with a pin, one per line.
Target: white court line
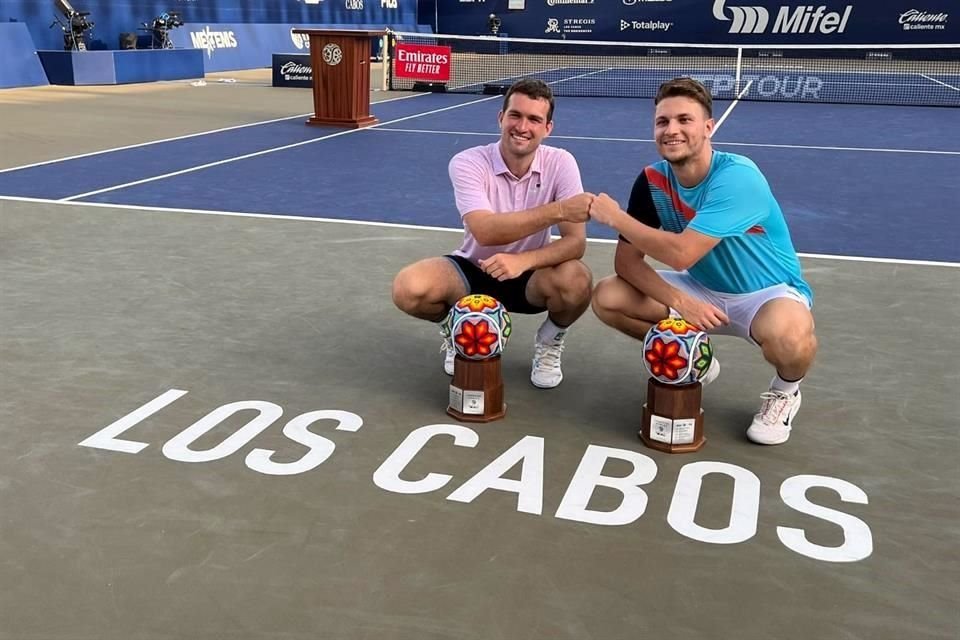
(732, 105)
(949, 86)
(299, 144)
(174, 139)
(266, 151)
(833, 148)
(398, 225)
(716, 142)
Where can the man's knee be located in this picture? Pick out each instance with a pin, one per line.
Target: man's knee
(613, 298)
(802, 345)
(411, 292)
(571, 282)
(605, 299)
(577, 282)
(794, 342)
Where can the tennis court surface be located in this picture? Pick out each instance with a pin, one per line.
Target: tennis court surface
(216, 424)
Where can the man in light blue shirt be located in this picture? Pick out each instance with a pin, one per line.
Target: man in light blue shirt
(712, 217)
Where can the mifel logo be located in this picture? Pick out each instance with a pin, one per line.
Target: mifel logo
(805, 18)
(745, 19)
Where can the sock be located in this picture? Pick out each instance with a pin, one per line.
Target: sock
(550, 332)
(790, 387)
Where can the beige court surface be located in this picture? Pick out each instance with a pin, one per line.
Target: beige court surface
(220, 427)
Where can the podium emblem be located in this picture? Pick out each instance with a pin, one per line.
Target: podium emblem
(332, 54)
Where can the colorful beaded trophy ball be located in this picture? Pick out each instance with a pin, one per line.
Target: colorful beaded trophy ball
(677, 352)
(479, 327)
(677, 355)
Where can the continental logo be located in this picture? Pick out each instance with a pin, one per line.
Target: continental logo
(805, 18)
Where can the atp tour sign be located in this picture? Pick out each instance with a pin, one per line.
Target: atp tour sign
(422, 62)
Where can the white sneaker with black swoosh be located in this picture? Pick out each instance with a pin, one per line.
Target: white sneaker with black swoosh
(772, 424)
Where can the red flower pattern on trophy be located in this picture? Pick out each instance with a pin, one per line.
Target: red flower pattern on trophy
(664, 359)
(476, 338)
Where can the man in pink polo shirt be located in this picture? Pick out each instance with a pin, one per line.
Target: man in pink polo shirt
(510, 193)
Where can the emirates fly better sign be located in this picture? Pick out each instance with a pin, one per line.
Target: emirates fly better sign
(422, 62)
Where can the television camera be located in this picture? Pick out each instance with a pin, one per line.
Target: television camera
(160, 28)
(74, 24)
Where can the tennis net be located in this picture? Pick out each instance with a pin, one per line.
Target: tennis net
(855, 74)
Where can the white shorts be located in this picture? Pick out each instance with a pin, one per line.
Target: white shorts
(740, 308)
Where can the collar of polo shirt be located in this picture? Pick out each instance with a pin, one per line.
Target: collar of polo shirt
(500, 167)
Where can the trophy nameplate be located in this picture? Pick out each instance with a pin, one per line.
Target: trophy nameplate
(672, 417)
(476, 393)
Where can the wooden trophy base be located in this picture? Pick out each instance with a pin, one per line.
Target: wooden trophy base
(672, 417)
(476, 393)
(349, 123)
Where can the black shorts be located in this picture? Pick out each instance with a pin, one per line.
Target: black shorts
(511, 293)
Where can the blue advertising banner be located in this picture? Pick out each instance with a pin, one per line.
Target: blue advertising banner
(231, 46)
(114, 17)
(739, 22)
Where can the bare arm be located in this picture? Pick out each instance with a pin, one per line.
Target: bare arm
(677, 250)
(571, 246)
(503, 228)
(630, 264)
(491, 229)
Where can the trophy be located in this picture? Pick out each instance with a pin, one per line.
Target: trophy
(478, 326)
(677, 356)
(476, 393)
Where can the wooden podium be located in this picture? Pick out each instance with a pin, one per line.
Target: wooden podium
(672, 417)
(476, 393)
(341, 76)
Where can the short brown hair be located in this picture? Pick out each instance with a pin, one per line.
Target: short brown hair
(688, 88)
(534, 89)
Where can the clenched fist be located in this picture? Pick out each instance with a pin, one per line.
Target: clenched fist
(577, 208)
(605, 210)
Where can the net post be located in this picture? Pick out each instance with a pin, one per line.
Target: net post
(736, 81)
(388, 40)
(384, 60)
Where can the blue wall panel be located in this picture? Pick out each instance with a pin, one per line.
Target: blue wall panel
(149, 66)
(20, 67)
(120, 67)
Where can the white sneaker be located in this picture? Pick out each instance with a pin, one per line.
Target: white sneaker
(449, 353)
(712, 372)
(772, 424)
(545, 372)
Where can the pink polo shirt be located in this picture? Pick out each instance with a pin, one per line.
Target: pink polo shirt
(481, 180)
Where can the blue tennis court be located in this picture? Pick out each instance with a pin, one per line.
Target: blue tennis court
(863, 181)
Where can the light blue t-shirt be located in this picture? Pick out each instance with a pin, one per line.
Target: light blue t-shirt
(735, 203)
